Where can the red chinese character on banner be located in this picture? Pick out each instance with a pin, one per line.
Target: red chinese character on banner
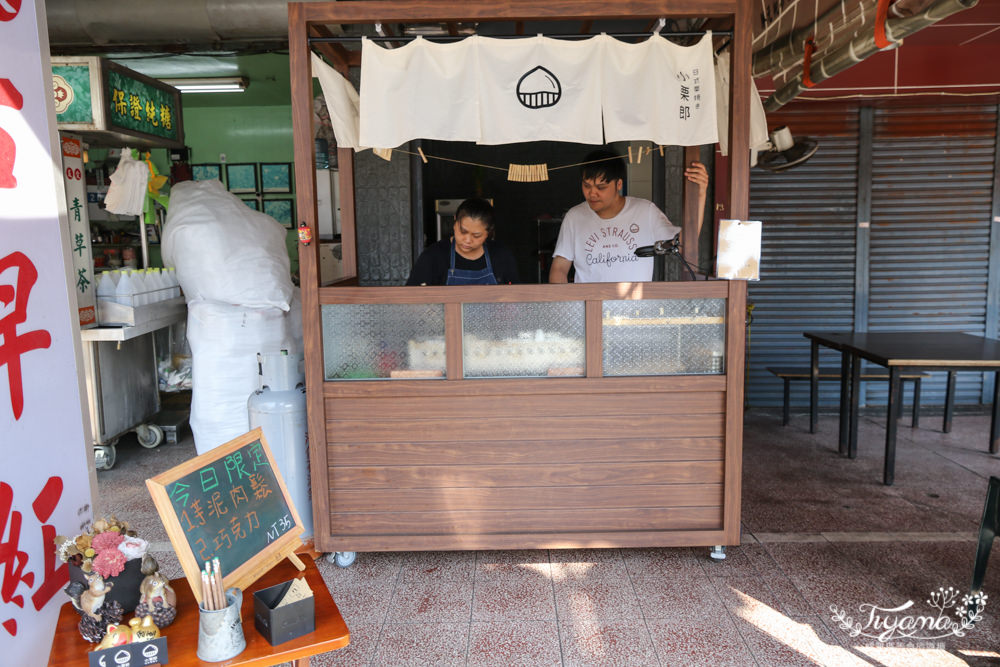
(12, 345)
(14, 560)
(9, 97)
(53, 578)
(9, 9)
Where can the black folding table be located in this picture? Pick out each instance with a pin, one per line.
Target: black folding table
(900, 352)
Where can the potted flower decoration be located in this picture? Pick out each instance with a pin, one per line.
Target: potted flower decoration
(110, 550)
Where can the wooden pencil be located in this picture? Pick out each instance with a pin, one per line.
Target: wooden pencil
(207, 596)
(220, 587)
(213, 592)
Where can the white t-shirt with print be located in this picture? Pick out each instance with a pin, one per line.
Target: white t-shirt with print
(603, 251)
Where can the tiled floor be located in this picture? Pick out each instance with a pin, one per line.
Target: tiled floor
(820, 531)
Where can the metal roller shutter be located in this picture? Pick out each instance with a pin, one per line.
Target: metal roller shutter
(930, 229)
(807, 259)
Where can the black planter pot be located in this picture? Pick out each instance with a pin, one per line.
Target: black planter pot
(126, 585)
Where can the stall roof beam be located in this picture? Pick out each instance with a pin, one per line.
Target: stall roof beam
(362, 11)
(343, 39)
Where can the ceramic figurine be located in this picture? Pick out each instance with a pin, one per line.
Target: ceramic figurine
(156, 588)
(115, 636)
(158, 599)
(89, 600)
(143, 629)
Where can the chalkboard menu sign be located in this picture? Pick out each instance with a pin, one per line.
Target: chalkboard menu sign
(229, 503)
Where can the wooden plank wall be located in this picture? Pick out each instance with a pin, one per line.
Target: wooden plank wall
(502, 463)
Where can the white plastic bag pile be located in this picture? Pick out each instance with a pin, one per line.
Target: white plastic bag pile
(233, 266)
(223, 250)
(127, 192)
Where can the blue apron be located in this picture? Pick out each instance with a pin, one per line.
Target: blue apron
(466, 277)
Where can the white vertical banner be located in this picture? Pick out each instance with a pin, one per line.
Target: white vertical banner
(85, 285)
(44, 477)
(540, 89)
(422, 90)
(660, 91)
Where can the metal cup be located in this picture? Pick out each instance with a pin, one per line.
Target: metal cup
(220, 632)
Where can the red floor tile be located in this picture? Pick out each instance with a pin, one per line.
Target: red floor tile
(514, 644)
(623, 642)
(507, 599)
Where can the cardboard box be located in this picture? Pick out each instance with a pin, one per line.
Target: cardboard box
(284, 623)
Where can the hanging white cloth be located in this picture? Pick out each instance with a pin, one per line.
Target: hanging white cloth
(539, 89)
(758, 119)
(342, 102)
(659, 91)
(497, 91)
(422, 90)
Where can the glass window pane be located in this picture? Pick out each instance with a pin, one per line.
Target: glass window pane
(664, 336)
(366, 341)
(523, 339)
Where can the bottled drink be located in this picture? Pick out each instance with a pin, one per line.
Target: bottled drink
(124, 290)
(153, 285)
(105, 286)
(139, 288)
(174, 283)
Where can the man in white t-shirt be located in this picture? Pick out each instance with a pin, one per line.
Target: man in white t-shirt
(598, 237)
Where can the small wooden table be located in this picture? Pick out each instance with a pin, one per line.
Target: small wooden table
(69, 649)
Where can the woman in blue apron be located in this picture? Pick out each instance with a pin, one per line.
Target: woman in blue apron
(470, 256)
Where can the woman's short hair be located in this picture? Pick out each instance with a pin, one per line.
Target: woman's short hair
(477, 209)
(603, 164)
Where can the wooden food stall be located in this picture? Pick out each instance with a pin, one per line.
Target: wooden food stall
(531, 416)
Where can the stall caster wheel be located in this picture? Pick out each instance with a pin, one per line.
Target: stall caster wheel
(149, 435)
(341, 558)
(104, 457)
(718, 552)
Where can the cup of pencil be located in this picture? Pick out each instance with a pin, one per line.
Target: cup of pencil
(220, 627)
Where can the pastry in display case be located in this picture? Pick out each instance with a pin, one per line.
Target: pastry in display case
(531, 353)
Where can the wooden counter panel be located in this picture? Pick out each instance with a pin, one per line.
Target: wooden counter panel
(483, 499)
(390, 478)
(460, 294)
(522, 451)
(533, 540)
(675, 403)
(527, 521)
(380, 428)
(508, 387)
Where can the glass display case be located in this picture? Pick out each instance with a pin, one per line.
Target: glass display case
(524, 339)
(664, 337)
(375, 340)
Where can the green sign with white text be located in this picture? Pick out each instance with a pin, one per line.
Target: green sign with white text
(138, 104)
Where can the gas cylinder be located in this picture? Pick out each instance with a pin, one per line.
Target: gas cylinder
(279, 408)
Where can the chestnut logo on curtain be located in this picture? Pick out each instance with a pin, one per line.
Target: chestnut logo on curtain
(539, 88)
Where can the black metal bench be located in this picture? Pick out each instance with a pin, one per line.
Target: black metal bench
(790, 373)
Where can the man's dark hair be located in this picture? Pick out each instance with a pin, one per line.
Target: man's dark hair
(477, 209)
(603, 164)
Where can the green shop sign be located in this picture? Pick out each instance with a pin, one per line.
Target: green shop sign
(141, 105)
(72, 84)
(111, 104)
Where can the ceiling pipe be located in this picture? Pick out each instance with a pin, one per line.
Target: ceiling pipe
(78, 24)
(862, 47)
(833, 26)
